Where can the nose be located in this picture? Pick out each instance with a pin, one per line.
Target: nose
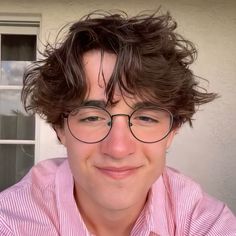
(120, 142)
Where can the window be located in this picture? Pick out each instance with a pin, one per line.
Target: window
(18, 43)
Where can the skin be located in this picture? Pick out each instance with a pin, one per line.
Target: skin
(112, 177)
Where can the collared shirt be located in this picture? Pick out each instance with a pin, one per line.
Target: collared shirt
(42, 203)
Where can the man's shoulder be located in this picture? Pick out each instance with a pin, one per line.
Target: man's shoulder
(181, 183)
(40, 178)
(184, 191)
(33, 200)
(191, 206)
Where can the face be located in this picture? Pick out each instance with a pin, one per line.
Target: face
(116, 173)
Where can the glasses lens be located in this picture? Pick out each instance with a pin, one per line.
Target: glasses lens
(89, 124)
(92, 124)
(151, 125)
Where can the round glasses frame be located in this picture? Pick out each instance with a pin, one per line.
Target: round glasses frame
(66, 116)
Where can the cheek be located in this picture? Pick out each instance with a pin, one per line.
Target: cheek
(80, 158)
(80, 155)
(78, 152)
(155, 155)
(157, 151)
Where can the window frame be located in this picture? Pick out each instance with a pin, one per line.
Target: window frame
(21, 25)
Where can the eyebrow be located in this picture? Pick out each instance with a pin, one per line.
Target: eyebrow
(142, 105)
(96, 103)
(103, 104)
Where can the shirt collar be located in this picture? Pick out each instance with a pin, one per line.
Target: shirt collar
(70, 219)
(156, 217)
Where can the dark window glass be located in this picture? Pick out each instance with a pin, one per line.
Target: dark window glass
(15, 162)
(18, 47)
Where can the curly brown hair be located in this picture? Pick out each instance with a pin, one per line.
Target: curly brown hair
(152, 63)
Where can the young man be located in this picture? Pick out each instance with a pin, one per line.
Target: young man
(115, 90)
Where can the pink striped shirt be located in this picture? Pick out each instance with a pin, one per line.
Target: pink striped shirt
(42, 204)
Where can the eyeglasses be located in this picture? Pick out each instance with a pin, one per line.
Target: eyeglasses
(91, 124)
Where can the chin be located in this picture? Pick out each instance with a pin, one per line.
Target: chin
(121, 201)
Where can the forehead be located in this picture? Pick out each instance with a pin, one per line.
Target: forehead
(98, 69)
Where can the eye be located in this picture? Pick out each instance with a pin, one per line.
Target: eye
(90, 119)
(146, 119)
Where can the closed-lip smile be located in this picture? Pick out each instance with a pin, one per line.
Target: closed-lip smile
(118, 172)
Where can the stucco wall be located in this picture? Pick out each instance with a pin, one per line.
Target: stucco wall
(207, 152)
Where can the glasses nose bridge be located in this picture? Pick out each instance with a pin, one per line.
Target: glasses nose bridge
(115, 115)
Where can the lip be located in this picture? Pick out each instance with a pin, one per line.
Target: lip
(118, 173)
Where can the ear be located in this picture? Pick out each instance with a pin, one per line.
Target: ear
(171, 137)
(60, 132)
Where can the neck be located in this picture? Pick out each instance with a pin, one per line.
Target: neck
(103, 222)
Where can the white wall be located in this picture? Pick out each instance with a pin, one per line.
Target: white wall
(207, 152)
